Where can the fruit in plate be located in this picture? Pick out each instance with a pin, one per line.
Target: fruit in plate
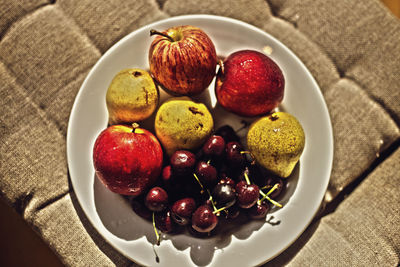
(182, 59)
(127, 159)
(277, 142)
(156, 199)
(131, 96)
(182, 162)
(247, 194)
(203, 219)
(182, 210)
(249, 83)
(181, 123)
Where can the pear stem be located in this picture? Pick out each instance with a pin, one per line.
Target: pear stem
(153, 32)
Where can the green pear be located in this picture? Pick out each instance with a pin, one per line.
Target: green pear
(181, 123)
(277, 142)
(132, 96)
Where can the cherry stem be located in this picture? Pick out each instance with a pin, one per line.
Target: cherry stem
(212, 201)
(265, 196)
(201, 185)
(217, 211)
(153, 32)
(156, 231)
(246, 177)
(266, 187)
(276, 186)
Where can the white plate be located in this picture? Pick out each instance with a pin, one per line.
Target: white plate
(249, 244)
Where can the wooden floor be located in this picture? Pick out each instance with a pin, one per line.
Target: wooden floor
(20, 246)
(393, 5)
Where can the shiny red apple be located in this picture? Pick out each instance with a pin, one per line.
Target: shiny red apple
(127, 160)
(249, 83)
(183, 60)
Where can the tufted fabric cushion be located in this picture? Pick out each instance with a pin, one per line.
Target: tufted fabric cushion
(351, 48)
(360, 231)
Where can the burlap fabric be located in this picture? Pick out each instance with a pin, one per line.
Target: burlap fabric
(351, 47)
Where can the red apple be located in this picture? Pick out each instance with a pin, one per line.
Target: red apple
(183, 60)
(127, 160)
(249, 83)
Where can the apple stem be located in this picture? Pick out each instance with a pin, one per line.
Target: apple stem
(134, 126)
(153, 32)
(221, 65)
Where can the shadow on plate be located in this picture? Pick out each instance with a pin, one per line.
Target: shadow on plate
(118, 217)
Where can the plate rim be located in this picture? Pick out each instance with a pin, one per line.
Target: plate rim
(207, 17)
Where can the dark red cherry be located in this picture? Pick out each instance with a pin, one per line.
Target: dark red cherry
(258, 211)
(214, 146)
(233, 154)
(203, 219)
(156, 199)
(182, 162)
(164, 221)
(206, 172)
(224, 195)
(182, 210)
(271, 181)
(247, 194)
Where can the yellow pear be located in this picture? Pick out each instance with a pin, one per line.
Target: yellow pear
(132, 96)
(181, 123)
(277, 142)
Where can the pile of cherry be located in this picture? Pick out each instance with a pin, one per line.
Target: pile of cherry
(196, 189)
